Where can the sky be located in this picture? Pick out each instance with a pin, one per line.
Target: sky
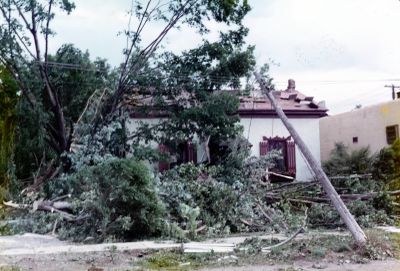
(341, 51)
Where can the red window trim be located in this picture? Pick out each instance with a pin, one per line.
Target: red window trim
(290, 152)
(189, 154)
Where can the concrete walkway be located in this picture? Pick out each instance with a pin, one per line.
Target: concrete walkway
(34, 244)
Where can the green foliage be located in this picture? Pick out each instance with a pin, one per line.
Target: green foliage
(351, 174)
(198, 89)
(366, 214)
(8, 101)
(215, 118)
(115, 199)
(31, 147)
(195, 195)
(387, 168)
(76, 85)
(342, 162)
(195, 189)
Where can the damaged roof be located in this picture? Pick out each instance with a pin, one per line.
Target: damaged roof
(293, 103)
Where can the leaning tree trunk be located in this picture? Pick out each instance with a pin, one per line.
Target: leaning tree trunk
(344, 213)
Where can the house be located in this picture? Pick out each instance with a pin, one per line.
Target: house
(265, 131)
(375, 126)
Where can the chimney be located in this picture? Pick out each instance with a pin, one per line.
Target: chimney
(291, 85)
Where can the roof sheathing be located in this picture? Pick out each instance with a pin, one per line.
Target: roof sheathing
(293, 103)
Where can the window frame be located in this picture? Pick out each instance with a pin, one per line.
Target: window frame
(289, 154)
(391, 139)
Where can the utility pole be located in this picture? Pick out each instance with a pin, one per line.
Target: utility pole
(356, 231)
(393, 92)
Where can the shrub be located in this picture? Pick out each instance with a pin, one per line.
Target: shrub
(387, 168)
(341, 161)
(196, 189)
(116, 200)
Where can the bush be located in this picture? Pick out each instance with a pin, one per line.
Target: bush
(116, 199)
(187, 188)
(387, 168)
(341, 161)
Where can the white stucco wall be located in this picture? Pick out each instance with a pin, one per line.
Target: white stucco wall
(308, 129)
(134, 123)
(270, 127)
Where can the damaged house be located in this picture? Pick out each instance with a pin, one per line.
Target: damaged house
(263, 129)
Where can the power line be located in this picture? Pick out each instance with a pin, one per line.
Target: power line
(222, 79)
(393, 87)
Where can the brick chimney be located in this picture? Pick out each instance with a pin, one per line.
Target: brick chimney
(291, 85)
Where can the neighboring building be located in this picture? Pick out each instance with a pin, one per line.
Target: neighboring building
(375, 126)
(265, 131)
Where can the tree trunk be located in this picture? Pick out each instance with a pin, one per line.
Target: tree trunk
(347, 217)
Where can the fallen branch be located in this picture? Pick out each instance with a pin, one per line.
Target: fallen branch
(264, 213)
(368, 195)
(15, 205)
(295, 201)
(63, 214)
(50, 173)
(302, 229)
(325, 200)
(202, 228)
(290, 184)
(250, 224)
(268, 249)
(281, 175)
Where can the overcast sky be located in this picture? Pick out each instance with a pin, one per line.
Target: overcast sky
(340, 51)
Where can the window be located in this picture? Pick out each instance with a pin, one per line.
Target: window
(286, 165)
(355, 139)
(184, 153)
(392, 133)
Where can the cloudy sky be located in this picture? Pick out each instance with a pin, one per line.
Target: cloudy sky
(340, 51)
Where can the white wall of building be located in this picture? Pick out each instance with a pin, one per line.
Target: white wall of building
(256, 128)
(308, 129)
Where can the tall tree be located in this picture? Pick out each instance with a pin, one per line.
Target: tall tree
(24, 44)
(75, 77)
(198, 90)
(194, 13)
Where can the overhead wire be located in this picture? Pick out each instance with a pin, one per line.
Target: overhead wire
(189, 75)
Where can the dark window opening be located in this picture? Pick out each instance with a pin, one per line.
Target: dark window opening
(392, 133)
(184, 153)
(355, 139)
(287, 164)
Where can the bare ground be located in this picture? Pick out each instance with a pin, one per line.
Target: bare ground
(47, 253)
(129, 260)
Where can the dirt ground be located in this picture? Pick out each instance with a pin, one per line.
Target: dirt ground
(129, 260)
(387, 265)
(47, 253)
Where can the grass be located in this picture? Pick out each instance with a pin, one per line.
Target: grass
(381, 245)
(395, 241)
(176, 260)
(9, 268)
